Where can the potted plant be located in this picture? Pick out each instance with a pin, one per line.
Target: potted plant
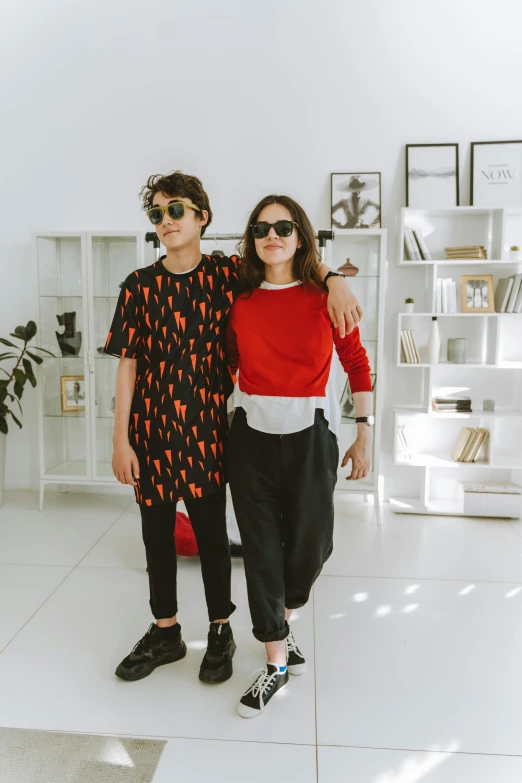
(514, 253)
(12, 383)
(409, 302)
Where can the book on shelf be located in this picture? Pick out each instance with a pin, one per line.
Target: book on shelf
(502, 293)
(409, 348)
(405, 348)
(423, 248)
(518, 303)
(515, 290)
(445, 295)
(458, 404)
(492, 487)
(403, 443)
(460, 443)
(469, 443)
(411, 246)
(478, 440)
(414, 346)
(466, 252)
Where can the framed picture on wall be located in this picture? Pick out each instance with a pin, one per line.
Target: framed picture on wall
(432, 176)
(356, 200)
(496, 173)
(73, 393)
(476, 294)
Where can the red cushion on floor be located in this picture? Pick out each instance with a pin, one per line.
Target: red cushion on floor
(186, 544)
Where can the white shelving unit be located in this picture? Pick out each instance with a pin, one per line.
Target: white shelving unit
(81, 273)
(366, 249)
(493, 367)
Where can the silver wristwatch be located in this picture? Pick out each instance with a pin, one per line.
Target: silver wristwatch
(369, 420)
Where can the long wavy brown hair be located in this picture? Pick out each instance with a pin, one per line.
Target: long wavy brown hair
(306, 259)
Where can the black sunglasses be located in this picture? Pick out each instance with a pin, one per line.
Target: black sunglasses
(176, 210)
(283, 228)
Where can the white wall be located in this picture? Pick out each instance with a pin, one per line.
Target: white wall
(254, 97)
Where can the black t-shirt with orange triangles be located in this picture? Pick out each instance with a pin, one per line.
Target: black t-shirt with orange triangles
(174, 326)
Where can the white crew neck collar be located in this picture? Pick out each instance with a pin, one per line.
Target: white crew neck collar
(276, 287)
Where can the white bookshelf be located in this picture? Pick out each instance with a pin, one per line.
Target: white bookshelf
(493, 367)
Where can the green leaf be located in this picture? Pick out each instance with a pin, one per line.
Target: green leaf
(3, 425)
(8, 355)
(37, 348)
(17, 420)
(30, 330)
(18, 390)
(20, 332)
(29, 370)
(21, 377)
(4, 410)
(4, 371)
(3, 393)
(6, 342)
(35, 358)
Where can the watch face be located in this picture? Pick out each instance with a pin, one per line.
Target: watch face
(371, 420)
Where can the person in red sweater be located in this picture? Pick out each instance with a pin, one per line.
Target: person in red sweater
(283, 451)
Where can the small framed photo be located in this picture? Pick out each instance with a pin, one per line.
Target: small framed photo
(476, 294)
(496, 173)
(432, 176)
(73, 393)
(356, 200)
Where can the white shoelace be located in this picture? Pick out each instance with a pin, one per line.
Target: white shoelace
(291, 646)
(263, 683)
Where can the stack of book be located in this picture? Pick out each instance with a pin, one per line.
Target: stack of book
(415, 248)
(465, 252)
(456, 404)
(508, 294)
(410, 354)
(469, 443)
(445, 295)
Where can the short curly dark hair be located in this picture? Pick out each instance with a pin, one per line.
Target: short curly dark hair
(177, 184)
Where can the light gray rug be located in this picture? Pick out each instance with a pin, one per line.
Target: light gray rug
(52, 757)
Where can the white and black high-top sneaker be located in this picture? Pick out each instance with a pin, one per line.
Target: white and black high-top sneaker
(256, 698)
(295, 658)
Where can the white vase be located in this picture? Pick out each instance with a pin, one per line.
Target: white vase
(514, 255)
(409, 307)
(434, 342)
(3, 442)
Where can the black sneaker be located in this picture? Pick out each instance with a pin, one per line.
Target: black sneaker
(154, 649)
(295, 659)
(216, 666)
(261, 691)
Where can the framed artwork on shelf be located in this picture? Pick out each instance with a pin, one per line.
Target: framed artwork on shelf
(496, 174)
(356, 200)
(73, 393)
(432, 176)
(476, 294)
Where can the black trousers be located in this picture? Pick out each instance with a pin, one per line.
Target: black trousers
(282, 488)
(208, 518)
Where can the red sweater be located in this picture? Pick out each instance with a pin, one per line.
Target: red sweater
(282, 342)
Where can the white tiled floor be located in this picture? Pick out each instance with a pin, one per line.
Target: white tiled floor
(415, 626)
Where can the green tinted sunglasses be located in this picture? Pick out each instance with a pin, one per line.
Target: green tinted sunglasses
(175, 210)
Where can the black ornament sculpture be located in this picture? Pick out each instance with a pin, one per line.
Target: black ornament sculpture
(70, 341)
